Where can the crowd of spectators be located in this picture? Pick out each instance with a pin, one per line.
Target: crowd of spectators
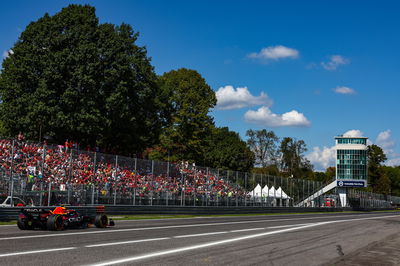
(64, 167)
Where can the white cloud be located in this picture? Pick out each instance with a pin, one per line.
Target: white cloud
(322, 158)
(275, 53)
(334, 62)
(263, 116)
(325, 157)
(344, 90)
(230, 98)
(393, 162)
(385, 141)
(353, 133)
(7, 53)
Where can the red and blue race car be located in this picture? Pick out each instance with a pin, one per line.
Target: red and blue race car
(59, 219)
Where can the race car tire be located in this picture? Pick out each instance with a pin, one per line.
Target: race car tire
(23, 224)
(55, 223)
(101, 221)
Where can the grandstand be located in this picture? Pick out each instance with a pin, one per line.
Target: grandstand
(57, 174)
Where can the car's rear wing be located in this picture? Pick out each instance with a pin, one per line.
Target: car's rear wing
(100, 209)
(35, 210)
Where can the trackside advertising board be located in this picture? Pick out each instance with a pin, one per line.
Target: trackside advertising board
(351, 183)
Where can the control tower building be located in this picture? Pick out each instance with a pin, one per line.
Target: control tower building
(351, 168)
(351, 160)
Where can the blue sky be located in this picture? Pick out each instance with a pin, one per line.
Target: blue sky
(305, 69)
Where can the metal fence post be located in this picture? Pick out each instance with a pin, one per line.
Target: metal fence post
(254, 182)
(194, 188)
(237, 186)
(169, 178)
(116, 173)
(135, 184)
(11, 174)
(49, 194)
(275, 201)
(208, 186)
(228, 195)
(302, 196)
(183, 187)
(152, 183)
(94, 176)
(41, 194)
(269, 186)
(218, 191)
(245, 189)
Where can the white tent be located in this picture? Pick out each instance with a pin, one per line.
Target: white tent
(280, 194)
(256, 192)
(265, 190)
(285, 196)
(272, 192)
(259, 192)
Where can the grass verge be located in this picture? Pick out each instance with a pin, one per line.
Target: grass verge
(8, 222)
(158, 216)
(161, 216)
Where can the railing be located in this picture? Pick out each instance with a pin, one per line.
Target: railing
(366, 199)
(52, 175)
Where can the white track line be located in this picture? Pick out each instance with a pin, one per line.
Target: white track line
(226, 241)
(203, 234)
(168, 227)
(205, 245)
(166, 252)
(250, 229)
(35, 251)
(127, 242)
(285, 226)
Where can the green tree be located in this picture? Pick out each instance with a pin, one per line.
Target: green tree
(293, 161)
(272, 170)
(330, 174)
(264, 145)
(383, 185)
(394, 175)
(71, 77)
(225, 150)
(187, 100)
(376, 157)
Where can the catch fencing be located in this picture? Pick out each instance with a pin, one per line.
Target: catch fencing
(45, 175)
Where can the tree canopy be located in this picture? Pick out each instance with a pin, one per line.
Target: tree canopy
(293, 161)
(225, 150)
(264, 145)
(187, 100)
(70, 77)
(378, 179)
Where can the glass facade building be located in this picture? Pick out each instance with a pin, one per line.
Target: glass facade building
(351, 158)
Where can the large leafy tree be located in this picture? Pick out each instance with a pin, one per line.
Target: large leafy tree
(376, 175)
(393, 173)
(293, 161)
(187, 100)
(71, 77)
(226, 150)
(264, 144)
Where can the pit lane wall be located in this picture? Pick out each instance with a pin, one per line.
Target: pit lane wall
(11, 213)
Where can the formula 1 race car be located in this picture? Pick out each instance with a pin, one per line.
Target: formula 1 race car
(59, 219)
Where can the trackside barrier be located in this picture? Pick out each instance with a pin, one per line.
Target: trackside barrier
(11, 213)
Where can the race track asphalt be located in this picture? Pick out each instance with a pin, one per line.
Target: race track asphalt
(306, 239)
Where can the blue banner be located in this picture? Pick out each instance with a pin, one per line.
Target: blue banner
(351, 183)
